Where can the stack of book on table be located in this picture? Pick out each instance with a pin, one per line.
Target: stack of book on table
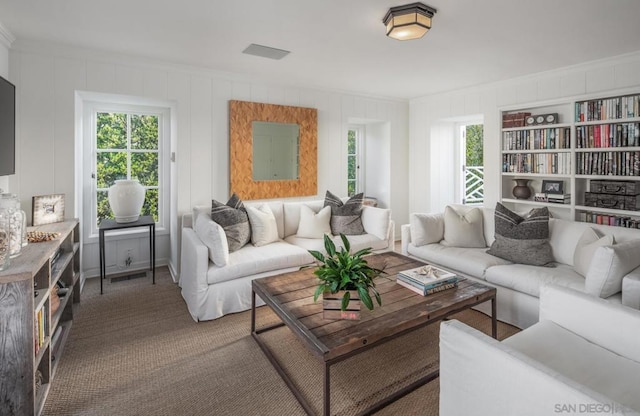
(426, 280)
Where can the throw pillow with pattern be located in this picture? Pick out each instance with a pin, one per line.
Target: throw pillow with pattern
(345, 217)
(522, 240)
(233, 219)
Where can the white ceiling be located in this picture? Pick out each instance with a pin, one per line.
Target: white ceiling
(340, 44)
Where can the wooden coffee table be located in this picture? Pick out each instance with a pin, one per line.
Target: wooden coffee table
(290, 295)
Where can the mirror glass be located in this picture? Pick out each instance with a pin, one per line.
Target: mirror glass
(275, 151)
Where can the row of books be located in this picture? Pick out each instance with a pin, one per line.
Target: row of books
(608, 219)
(548, 138)
(608, 108)
(40, 329)
(608, 135)
(623, 163)
(552, 198)
(426, 280)
(555, 163)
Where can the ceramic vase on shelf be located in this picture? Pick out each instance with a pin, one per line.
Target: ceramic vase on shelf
(126, 198)
(17, 222)
(4, 239)
(521, 190)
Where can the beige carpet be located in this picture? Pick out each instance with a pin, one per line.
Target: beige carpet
(136, 351)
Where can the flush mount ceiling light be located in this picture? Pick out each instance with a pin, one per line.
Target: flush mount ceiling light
(410, 21)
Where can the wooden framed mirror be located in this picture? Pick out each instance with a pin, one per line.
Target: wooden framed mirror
(291, 170)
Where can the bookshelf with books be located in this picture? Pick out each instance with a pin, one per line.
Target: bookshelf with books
(591, 139)
(36, 320)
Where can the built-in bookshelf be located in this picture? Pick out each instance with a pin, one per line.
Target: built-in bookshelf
(36, 321)
(585, 140)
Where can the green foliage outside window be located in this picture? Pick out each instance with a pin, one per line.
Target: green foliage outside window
(127, 148)
(474, 149)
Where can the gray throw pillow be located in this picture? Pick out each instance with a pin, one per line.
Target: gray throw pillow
(345, 218)
(233, 219)
(522, 240)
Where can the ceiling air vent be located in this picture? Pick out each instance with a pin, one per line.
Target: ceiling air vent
(265, 51)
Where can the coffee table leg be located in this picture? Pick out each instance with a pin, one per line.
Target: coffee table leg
(253, 311)
(327, 390)
(494, 319)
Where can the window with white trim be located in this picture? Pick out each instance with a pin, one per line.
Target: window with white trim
(355, 135)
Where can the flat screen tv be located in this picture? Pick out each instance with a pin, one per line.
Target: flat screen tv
(7, 128)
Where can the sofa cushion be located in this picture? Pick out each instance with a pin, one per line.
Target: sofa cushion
(376, 221)
(264, 229)
(609, 265)
(589, 241)
(522, 240)
(591, 365)
(470, 261)
(232, 216)
(528, 279)
(463, 228)
(426, 228)
(212, 235)
(252, 260)
(292, 215)
(358, 242)
(345, 217)
(312, 224)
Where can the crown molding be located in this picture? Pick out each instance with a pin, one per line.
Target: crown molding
(6, 37)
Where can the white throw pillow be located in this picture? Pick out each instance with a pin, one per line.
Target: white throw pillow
(463, 229)
(586, 247)
(426, 228)
(314, 225)
(213, 236)
(609, 265)
(264, 229)
(376, 221)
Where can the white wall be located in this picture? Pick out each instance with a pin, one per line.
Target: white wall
(431, 137)
(377, 181)
(47, 77)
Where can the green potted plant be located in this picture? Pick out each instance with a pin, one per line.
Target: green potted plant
(345, 280)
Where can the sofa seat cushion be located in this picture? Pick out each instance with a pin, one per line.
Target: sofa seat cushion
(586, 363)
(528, 279)
(470, 261)
(358, 242)
(251, 260)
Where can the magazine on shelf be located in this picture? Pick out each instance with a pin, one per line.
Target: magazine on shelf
(425, 292)
(427, 275)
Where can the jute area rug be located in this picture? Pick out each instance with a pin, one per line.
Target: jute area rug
(136, 351)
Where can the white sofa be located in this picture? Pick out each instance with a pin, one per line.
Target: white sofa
(582, 357)
(211, 291)
(518, 285)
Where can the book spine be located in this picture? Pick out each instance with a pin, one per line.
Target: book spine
(411, 280)
(441, 288)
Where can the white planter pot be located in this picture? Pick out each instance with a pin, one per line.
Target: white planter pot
(126, 198)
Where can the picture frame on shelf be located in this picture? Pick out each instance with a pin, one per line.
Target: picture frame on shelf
(553, 187)
(47, 209)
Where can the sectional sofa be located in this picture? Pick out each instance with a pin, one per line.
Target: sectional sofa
(614, 274)
(212, 290)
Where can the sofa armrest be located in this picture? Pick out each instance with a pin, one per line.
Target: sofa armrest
(194, 261)
(631, 289)
(495, 379)
(597, 320)
(405, 235)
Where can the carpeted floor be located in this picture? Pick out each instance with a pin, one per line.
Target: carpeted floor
(136, 351)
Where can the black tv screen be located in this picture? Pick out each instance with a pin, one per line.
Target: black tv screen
(7, 128)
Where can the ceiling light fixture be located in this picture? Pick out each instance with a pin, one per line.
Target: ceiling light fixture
(410, 21)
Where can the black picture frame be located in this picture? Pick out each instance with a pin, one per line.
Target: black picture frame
(553, 187)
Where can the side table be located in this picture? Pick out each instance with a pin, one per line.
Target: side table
(110, 224)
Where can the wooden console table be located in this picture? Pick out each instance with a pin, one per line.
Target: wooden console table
(109, 224)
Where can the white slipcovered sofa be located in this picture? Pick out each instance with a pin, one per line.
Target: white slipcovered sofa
(582, 357)
(518, 285)
(211, 291)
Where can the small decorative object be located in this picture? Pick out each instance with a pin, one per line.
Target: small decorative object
(126, 198)
(552, 187)
(344, 278)
(17, 222)
(521, 190)
(41, 236)
(4, 240)
(47, 209)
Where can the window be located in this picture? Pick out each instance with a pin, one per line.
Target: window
(124, 141)
(471, 136)
(354, 155)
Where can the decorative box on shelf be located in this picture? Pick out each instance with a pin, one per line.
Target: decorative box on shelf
(623, 202)
(615, 187)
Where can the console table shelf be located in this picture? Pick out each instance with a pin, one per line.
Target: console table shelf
(32, 335)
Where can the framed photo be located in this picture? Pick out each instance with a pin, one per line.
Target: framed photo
(47, 209)
(553, 187)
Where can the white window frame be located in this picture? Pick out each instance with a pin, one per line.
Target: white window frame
(130, 106)
(359, 154)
